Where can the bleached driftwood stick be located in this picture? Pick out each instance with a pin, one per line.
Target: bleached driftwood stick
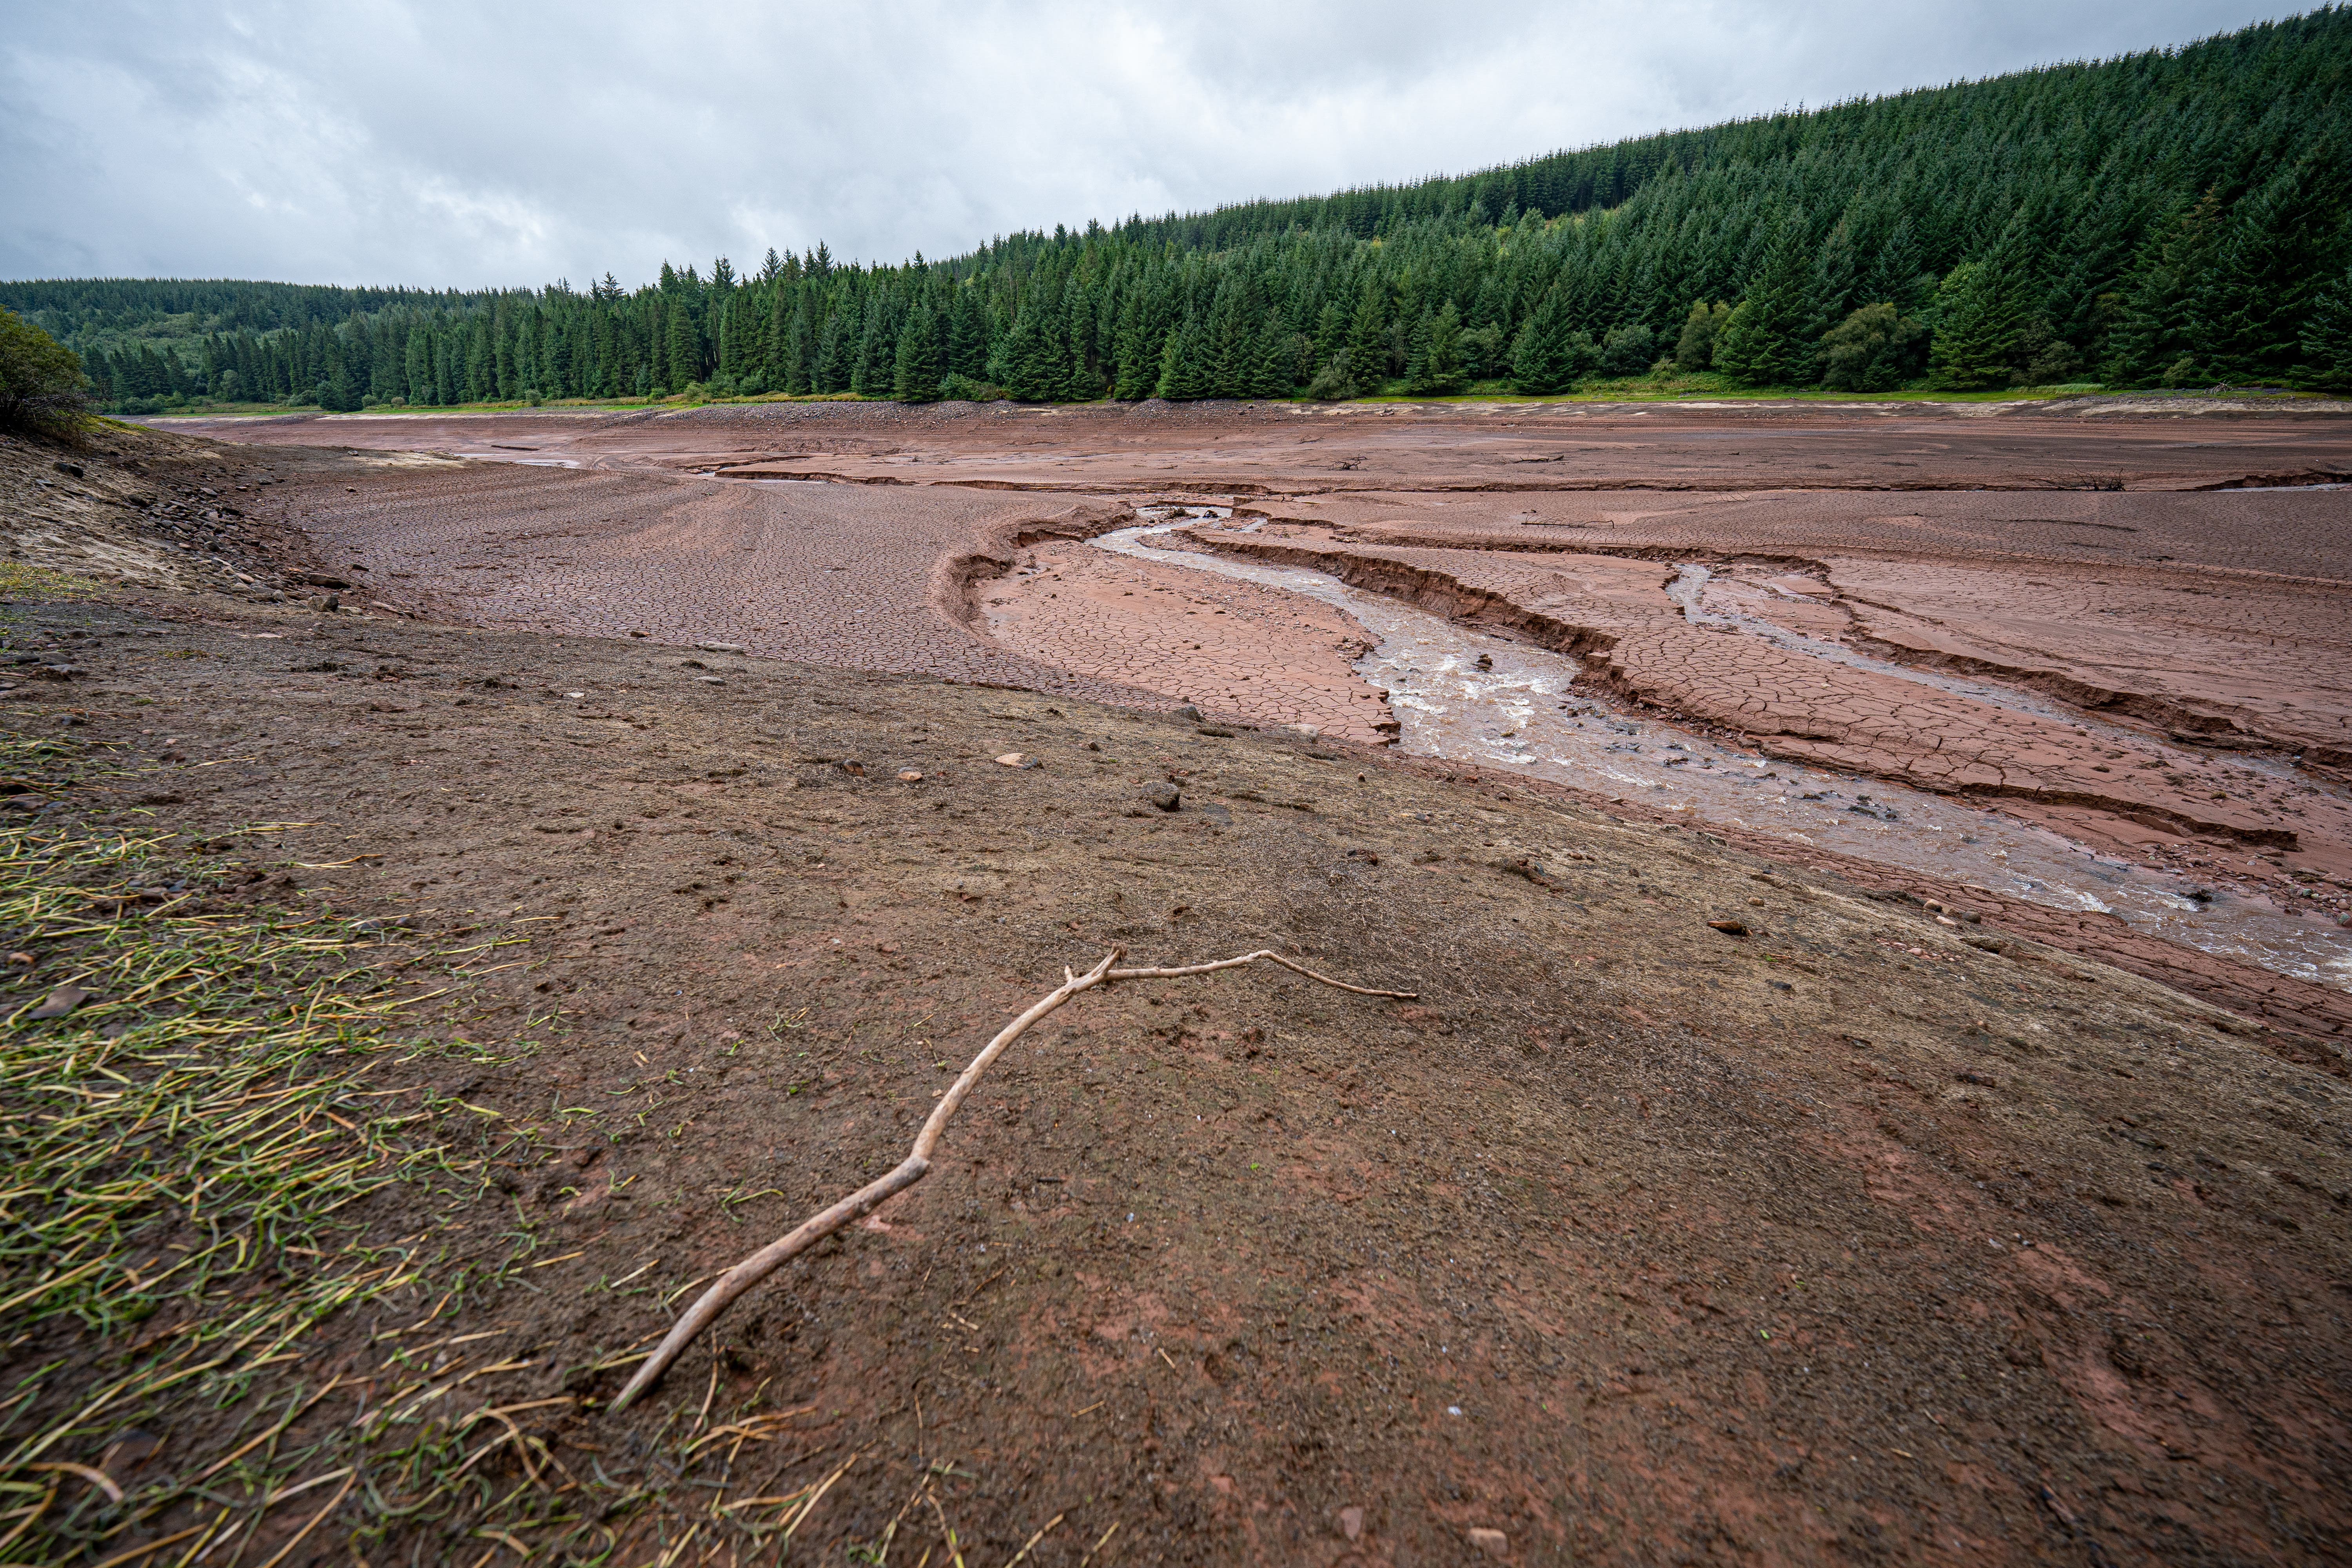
(918, 1162)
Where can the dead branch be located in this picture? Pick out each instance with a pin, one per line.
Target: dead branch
(918, 1162)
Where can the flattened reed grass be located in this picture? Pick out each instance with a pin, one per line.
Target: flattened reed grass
(185, 1161)
(176, 1157)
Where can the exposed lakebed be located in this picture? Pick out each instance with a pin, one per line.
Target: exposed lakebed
(1497, 703)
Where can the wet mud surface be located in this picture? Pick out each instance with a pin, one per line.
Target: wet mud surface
(1629, 1238)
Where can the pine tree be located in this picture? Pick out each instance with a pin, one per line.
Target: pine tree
(921, 359)
(1368, 350)
(1184, 368)
(1771, 337)
(2154, 336)
(1543, 360)
(1272, 369)
(968, 341)
(685, 361)
(2326, 336)
(1436, 367)
(2247, 312)
(1977, 324)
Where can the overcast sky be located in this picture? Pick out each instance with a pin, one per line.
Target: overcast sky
(502, 142)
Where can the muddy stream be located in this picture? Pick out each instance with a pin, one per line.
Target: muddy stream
(1502, 706)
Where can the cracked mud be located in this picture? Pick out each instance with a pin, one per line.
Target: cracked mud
(1919, 1219)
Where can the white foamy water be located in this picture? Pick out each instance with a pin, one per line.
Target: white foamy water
(1502, 706)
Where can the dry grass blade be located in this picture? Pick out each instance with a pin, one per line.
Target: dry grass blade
(916, 1165)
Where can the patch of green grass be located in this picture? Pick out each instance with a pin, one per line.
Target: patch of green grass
(204, 1166)
(178, 1157)
(19, 579)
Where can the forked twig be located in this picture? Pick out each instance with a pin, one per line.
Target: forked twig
(918, 1162)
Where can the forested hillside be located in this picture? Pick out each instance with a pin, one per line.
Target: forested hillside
(2174, 217)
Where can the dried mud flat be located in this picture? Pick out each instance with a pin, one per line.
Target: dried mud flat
(1858, 1233)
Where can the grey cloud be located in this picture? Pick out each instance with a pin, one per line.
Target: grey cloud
(438, 143)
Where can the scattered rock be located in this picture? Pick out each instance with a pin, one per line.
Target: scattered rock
(1189, 713)
(1011, 760)
(1166, 797)
(1351, 1522)
(1730, 928)
(1987, 943)
(60, 1002)
(718, 647)
(909, 776)
(1493, 1543)
(712, 680)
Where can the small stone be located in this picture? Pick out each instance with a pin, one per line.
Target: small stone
(1351, 1523)
(1189, 713)
(1985, 943)
(712, 680)
(909, 775)
(1166, 797)
(1730, 928)
(721, 647)
(575, 696)
(1011, 760)
(20, 961)
(1493, 1543)
(61, 1001)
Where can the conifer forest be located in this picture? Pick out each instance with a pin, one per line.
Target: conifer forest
(2177, 217)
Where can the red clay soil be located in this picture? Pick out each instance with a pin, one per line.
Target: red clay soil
(1638, 644)
(1257, 654)
(2184, 614)
(1293, 450)
(1702, 1207)
(1629, 1240)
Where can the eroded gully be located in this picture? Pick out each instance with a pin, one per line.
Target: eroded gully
(1473, 698)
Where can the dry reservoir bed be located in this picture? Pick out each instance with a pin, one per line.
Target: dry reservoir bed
(1634, 1239)
(2087, 659)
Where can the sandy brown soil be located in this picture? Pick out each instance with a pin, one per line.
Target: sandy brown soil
(1866, 1233)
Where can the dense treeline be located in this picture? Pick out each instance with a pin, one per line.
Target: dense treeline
(2176, 216)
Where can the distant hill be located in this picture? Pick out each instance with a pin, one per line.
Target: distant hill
(2178, 216)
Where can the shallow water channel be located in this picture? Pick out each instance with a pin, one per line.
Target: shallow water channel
(1503, 707)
